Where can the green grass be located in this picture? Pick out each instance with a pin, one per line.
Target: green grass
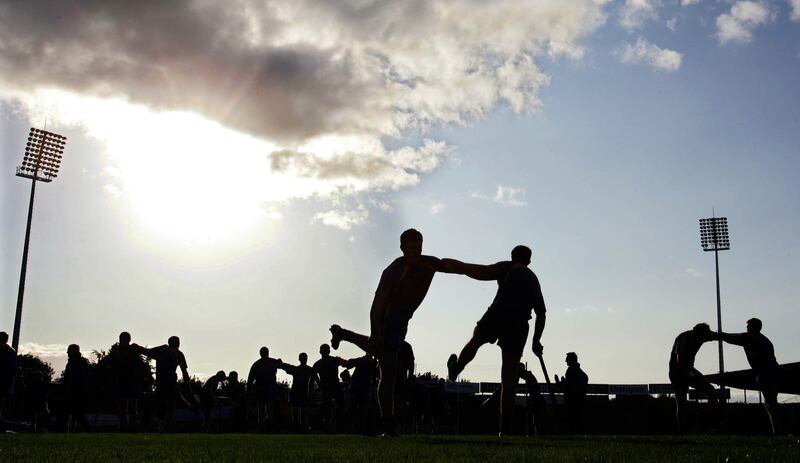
(346, 448)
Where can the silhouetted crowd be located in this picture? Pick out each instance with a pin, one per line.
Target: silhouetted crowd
(335, 394)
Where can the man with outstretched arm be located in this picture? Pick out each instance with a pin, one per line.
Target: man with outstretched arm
(761, 356)
(505, 321)
(262, 388)
(303, 376)
(682, 372)
(402, 288)
(168, 358)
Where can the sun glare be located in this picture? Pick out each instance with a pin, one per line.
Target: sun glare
(187, 178)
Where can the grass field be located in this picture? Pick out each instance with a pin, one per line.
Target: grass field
(347, 448)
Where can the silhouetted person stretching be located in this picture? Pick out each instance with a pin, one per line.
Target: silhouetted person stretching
(208, 396)
(534, 405)
(505, 321)
(682, 372)
(402, 288)
(302, 377)
(574, 382)
(235, 391)
(76, 385)
(262, 386)
(8, 370)
(358, 390)
(168, 359)
(761, 356)
(127, 382)
(327, 368)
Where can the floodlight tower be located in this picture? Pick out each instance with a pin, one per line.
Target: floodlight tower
(40, 163)
(714, 237)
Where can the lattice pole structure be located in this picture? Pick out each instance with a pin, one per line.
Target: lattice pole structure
(40, 164)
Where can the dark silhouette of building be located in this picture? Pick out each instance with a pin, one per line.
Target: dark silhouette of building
(505, 321)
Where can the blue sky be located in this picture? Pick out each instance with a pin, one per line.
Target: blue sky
(603, 166)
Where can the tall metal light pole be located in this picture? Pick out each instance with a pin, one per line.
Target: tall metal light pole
(714, 237)
(40, 163)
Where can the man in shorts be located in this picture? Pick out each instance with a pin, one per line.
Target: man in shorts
(327, 369)
(127, 368)
(682, 372)
(302, 377)
(262, 387)
(208, 398)
(168, 358)
(505, 321)
(402, 288)
(761, 356)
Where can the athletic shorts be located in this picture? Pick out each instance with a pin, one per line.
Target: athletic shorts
(126, 391)
(509, 334)
(298, 399)
(767, 379)
(332, 395)
(681, 378)
(264, 394)
(394, 333)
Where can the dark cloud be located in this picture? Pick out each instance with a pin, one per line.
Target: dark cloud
(206, 57)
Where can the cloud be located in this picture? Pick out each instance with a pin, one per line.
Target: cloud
(372, 168)
(289, 71)
(54, 354)
(689, 2)
(437, 207)
(343, 219)
(739, 23)
(672, 24)
(694, 273)
(634, 13)
(795, 14)
(509, 196)
(112, 190)
(658, 58)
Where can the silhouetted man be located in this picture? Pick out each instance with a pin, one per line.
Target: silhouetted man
(534, 405)
(402, 288)
(327, 368)
(682, 372)
(168, 359)
(208, 396)
(359, 389)
(505, 321)
(8, 370)
(127, 381)
(262, 387)
(302, 377)
(574, 382)
(76, 386)
(235, 391)
(761, 356)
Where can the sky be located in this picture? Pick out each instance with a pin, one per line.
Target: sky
(239, 174)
